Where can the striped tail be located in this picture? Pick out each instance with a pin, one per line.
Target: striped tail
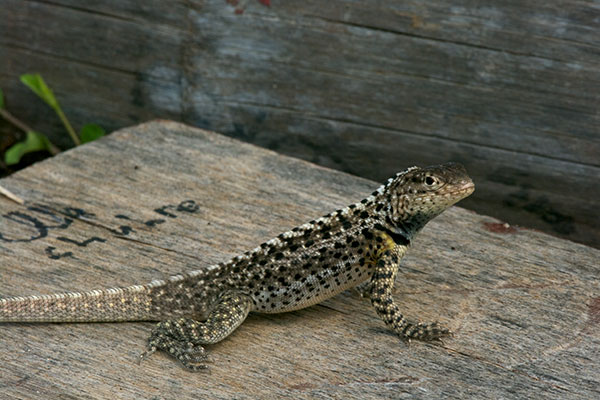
(133, 303)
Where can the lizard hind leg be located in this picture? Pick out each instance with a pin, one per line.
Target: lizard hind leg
(183, 338)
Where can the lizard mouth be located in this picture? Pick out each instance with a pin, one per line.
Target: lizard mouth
(464, 189)
(467, 186)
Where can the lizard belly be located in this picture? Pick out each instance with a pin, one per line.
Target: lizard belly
(311, 289)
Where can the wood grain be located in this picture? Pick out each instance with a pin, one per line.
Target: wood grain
(510, 89)
(162, 197)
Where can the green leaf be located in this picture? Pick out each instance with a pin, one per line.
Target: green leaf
(1, 99)
(91, 132)
(33, 142)
(36, 83)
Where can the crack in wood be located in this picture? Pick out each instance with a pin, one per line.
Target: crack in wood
(446, 40)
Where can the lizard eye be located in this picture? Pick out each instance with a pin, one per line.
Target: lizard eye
(429, 181)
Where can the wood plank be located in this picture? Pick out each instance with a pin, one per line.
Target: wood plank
(162, 197)
(502, 87)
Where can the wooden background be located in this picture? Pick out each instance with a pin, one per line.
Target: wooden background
(509, 88)
(161, 198)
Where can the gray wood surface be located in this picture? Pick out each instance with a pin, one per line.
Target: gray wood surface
(509, 88)
(161, 197)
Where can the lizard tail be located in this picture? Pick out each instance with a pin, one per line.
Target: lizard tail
(133, 303)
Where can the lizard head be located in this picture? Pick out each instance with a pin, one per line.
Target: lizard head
(417, 195)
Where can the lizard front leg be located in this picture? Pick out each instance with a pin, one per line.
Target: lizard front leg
(382, 283)
(183, 338)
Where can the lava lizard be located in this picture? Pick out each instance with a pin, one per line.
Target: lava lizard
(360, 245)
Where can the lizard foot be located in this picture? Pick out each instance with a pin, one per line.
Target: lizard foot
(168, 337)
(430, 332)
(183, 338)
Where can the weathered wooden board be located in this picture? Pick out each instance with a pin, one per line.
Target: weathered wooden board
(161, 197)
(511, 89)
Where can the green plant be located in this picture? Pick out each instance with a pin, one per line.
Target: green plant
(35, 141)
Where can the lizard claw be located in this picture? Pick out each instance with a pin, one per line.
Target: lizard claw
(151, 350)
